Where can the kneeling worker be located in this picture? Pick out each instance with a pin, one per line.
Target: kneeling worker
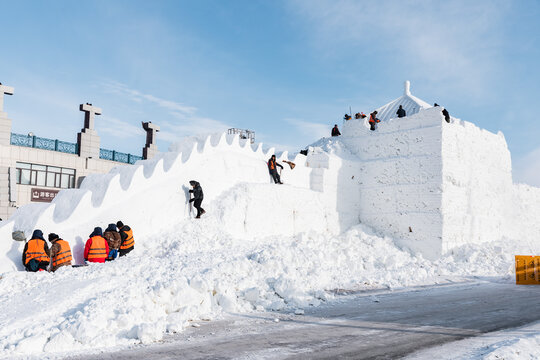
(96, 248)
(60, 252)
(128, 243)
(36, 253)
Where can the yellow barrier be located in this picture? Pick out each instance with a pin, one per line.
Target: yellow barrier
(527, 270)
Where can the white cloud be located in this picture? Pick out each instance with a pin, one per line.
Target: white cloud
(450, 42)
(119, 128)
(191, 126)
(309, 129)
(183, 120)
(527, 168)
(137, 96)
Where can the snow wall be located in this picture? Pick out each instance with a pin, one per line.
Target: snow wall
(152, 196)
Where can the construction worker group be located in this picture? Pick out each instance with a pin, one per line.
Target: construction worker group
(117, 240)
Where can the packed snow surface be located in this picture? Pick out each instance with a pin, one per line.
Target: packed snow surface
(514, 344)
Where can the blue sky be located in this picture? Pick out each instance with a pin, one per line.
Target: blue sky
(287, 69)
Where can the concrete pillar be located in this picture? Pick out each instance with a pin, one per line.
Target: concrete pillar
(5, 123)
(150, 150)
(88, 139)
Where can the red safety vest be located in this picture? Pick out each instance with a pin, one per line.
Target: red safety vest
(64, 255)
(36, 250)
(97, 249)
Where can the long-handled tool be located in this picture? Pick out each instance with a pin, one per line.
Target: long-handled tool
(291, 164)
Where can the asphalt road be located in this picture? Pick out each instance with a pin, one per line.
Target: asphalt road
(376, 325)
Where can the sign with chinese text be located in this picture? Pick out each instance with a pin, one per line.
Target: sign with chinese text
(43, 195)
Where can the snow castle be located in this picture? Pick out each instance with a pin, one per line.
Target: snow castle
(434, 185)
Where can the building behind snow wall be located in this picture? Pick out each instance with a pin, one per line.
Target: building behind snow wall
(434, 185)
(34, 169)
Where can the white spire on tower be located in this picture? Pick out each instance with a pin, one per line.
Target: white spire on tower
(407, 90)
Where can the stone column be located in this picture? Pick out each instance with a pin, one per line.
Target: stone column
(150, 150)
(88, 139)
(5, 123)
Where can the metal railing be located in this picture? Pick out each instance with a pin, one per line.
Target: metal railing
(118, 156)
(69, 148)
(44, 143)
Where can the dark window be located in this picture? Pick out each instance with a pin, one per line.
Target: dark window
(43, 175)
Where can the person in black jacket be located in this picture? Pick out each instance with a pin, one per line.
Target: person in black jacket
(446, 115)
(401, 112)
(197, 197)
(272, 168)
(335, 131)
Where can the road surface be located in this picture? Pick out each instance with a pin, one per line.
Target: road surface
(367, 325)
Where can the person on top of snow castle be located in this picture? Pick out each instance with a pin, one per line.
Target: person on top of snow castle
(36, 253)
(126, 234)
(60, 252)
(373, 120)
(335, 131)
(401, 112)
(198, 197)
(360, 115)
(96, 249)
(272, 168)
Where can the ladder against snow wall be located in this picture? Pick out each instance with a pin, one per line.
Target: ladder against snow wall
(527, 270)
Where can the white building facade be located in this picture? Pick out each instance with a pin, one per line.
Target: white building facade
(34, 169)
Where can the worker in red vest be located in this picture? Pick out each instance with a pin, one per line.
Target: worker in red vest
(128, 242)
(60, 252)
(373, 120)
(36, 253)
(96, 248)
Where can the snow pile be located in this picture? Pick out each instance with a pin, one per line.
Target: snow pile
(195, 271)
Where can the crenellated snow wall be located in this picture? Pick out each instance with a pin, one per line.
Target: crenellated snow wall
(152, 195)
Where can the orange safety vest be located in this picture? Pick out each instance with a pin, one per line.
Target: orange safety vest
(64, 255)
(129, 242)
(97, 249)
(272, 164)
(36, 250)
(371, 119)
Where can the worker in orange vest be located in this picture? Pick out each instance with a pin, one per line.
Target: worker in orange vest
(128, 242)
(96, 248)
(272, 168)
(373, 120)
(36, 253)
(60, 252)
